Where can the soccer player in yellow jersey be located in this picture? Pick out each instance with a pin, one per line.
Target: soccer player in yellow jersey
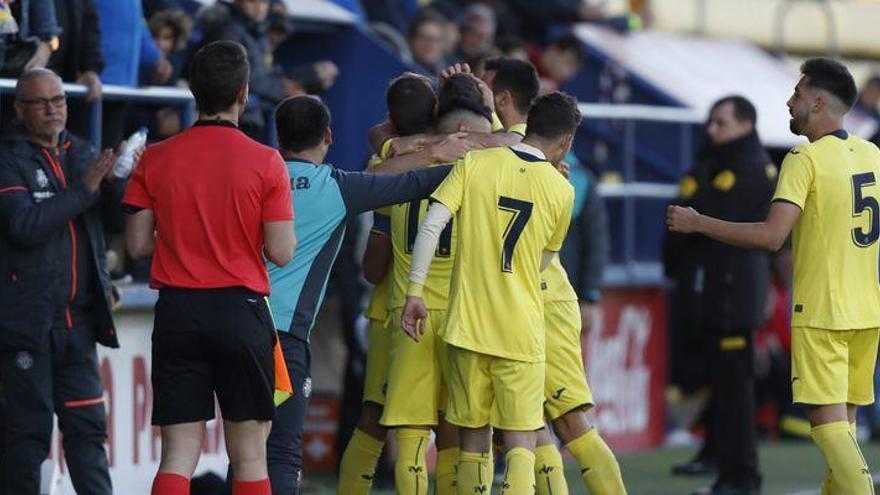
(567, 395)
(411, 102)
(416, 386)
(512, 209)
(828, 194)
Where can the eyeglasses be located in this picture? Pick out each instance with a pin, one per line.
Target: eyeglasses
(54, 102)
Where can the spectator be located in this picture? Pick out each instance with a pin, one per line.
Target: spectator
(55, 302)
(246, 22)
(171, 30)
(27, 46)
(864, 119)
(559, 62)
(478, 34)
(79, 57)
(734, 180)
(427, 41)
(213, 332)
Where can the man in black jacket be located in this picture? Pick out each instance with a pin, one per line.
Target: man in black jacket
(247, 22)
(54, 291)
(734, 180)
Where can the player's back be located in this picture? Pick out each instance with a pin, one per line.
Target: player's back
(835, 245)
(514, 205)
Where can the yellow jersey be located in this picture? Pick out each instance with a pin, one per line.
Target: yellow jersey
(556, 286)
(510, 206)
(377, 308)
(834, 182)
(405, 221)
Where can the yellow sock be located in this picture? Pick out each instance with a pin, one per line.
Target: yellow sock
(599, 467)
(519, 477)
(447, 462)
(848, 469)
(410, 468)
(473, 473)
(549, 471)
(358, 464)
(825, 489)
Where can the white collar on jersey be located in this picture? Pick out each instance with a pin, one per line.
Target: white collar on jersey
(526, 148)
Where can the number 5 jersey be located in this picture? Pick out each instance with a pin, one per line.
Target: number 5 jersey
(833, 180)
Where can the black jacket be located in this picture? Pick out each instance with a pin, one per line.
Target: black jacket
(225, 21)
(722, 287)
(35, 215)
(80, 43)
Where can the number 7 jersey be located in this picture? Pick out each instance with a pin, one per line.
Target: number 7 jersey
(510, 205)
(834, 182)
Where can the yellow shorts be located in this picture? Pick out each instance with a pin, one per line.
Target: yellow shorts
(565, 386)
(376, 379)
(486, 389)
(833, 366)
(416, 387)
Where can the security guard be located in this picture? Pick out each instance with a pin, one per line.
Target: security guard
(734, 180)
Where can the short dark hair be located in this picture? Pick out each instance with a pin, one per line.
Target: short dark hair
(411, 101)
(217, 73)
(516, 76)
(553, 116)
(301, 122)
(460, 92)
(743, 110)
(571, 43)
(832, 76)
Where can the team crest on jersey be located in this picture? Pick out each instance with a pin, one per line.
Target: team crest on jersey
(42, 179)
(24, 360)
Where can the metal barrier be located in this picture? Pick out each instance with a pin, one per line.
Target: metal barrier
(149, 95)
(631, 271)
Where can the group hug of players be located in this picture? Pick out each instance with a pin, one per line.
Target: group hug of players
(491, 325)
(490, 340)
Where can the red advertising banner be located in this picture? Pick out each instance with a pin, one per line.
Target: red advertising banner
(625, 358)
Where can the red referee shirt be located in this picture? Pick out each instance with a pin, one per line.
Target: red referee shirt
(211, 188)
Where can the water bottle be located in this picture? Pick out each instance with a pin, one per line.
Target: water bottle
(125, 163)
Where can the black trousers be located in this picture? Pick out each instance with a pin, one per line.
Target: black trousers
(284, 447)
(61, 378)
(732, 433)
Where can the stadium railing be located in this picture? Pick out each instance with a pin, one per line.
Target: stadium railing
(631, 272)
(629, 191)
(160, 95)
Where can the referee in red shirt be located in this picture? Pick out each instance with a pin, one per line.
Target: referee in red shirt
(208, 204)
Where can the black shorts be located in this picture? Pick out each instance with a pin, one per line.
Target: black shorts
(208, 341)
